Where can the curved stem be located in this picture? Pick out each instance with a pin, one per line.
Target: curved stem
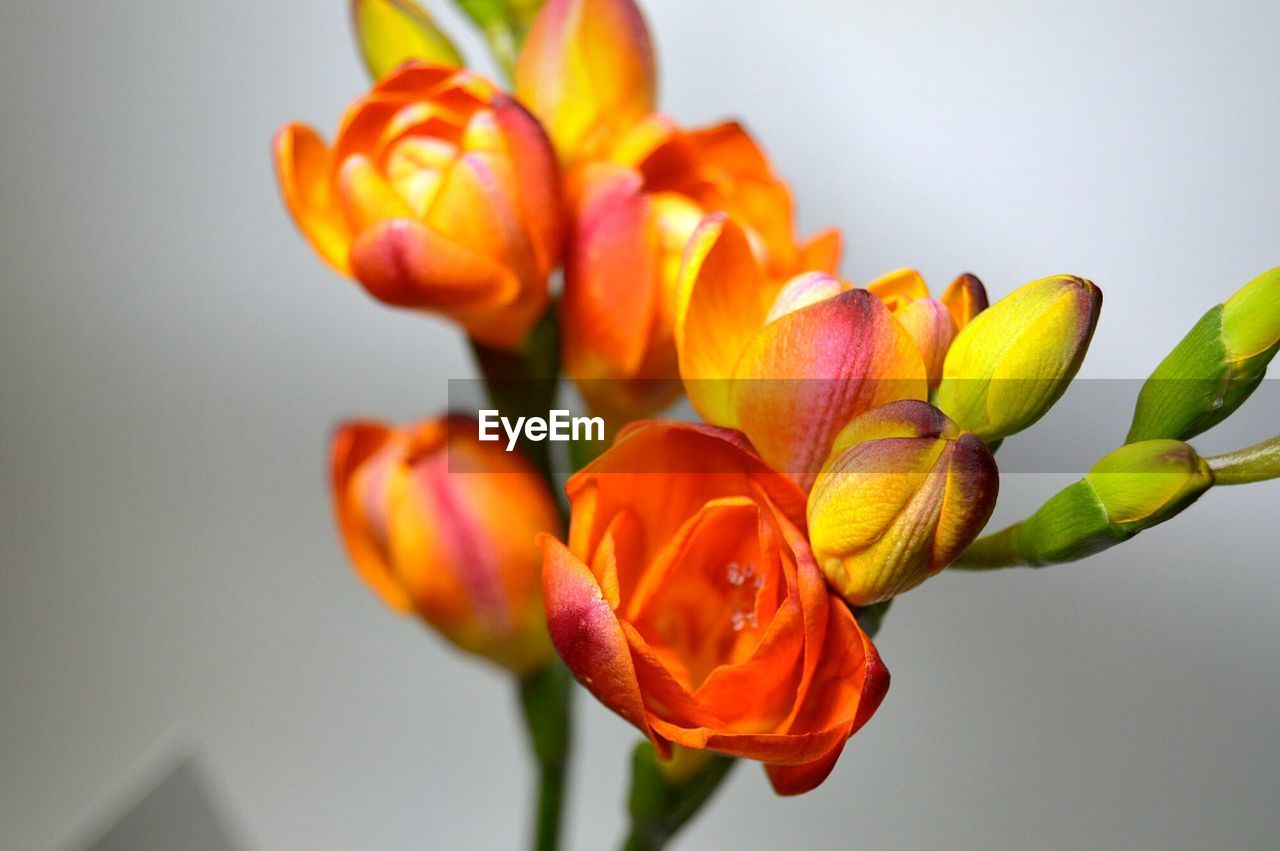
(1255, 463)
(999, 549)
(545, 698)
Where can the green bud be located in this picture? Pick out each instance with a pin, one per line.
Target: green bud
(1131, 489)
(1216, 366)
(504, 24)
(393, 32)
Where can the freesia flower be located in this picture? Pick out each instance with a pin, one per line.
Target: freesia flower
(444, 526)
(439, 193)
(688, 601)
(633, 217)
(789, 363)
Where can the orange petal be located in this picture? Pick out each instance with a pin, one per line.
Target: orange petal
(366, 196)
(822, 252)
(966, 297)
(303, 169)
(899, 287)
(806, 375)
(722, 299)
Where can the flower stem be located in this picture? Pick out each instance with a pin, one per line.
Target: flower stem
(1255, 463)
(664, 799)
(545, 697)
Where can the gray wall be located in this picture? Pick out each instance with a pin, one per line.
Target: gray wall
(172, 358)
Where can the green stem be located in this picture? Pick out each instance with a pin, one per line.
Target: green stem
(545, 697)
(664, 799)
(1255, 463)
(999, 549)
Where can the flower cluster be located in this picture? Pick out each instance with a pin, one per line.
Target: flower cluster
(713, 576)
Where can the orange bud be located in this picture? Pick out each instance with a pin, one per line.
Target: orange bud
(903, 493)
(439, 193)
(444, 526)
(587, 72)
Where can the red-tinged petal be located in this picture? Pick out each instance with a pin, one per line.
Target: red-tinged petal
(722, 299)
(405, 263)
(587, 634)
(966, 297)
(611, 286)
(304, 170)
(806, 375)
(538, 181)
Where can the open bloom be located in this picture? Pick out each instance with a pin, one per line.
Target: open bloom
(688, 602)
(788, 362)
(633, 216)
(444, 526)
(903, 493)
(438, 193)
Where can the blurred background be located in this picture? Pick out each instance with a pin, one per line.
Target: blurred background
(173, 597)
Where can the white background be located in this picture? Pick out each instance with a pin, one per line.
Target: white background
(172, 358)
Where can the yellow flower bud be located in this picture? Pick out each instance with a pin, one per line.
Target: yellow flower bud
(393, 32)
(1009, 365)
(903, 492)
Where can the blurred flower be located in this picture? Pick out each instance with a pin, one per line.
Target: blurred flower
(688, 602)
(444, 526)
(634, 216)
(587, 72)
(932, 322)
(787, 362)
(1008, 366)
(393, 32)
(903, 493)
(1215, 368)
(1137, 486)
(439, 193)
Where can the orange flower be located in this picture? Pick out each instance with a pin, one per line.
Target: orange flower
(444, 526)
(932, 322)
(787, 362)
(689, 602)
(587, 71)
(633, 216)
(439, 193)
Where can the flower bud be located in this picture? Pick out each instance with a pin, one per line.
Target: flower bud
(1008, 366)
(393, 32)
(1215, 368)
(932, 322)
(444, 526)
(1133, 488)
(587, 72)
(902, 494)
